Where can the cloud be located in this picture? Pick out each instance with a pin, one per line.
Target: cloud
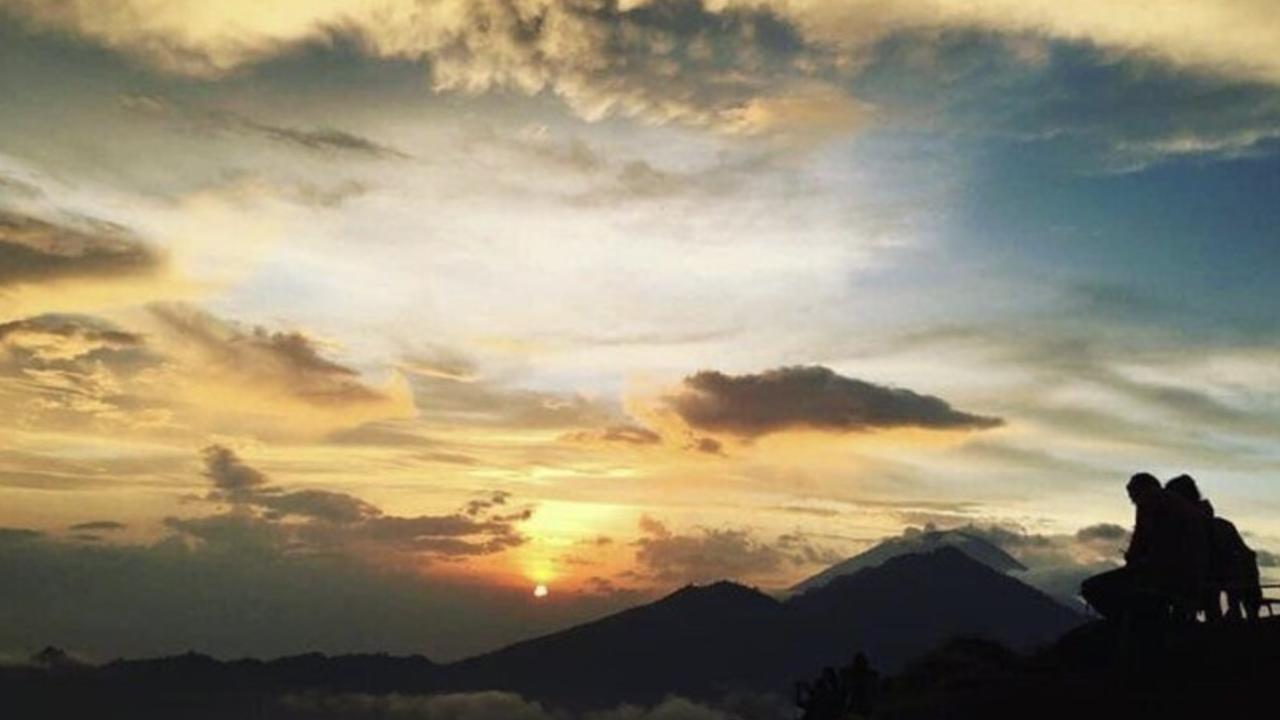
(742, 66)
(194, 371)
(813, 398)
(673, 61)
(236, 370)
(235, 587)
(324, 139)
(289, 360)
(1056, 563)
(320, 139)
(460, 706)
(264, 514)
(706, 446)
(74, 371)
(1233, 38)
(20, 188)
(1103, 533)
(449, 400)
(233, 480)
(441, 364)
(813, 111)
(710, 554)
(64, 337)
(10, 536)
(490, 705)
(98, 526)
(613, 434)
(37, 251)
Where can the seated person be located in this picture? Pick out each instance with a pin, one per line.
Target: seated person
(1166, 565)
(1233, 565)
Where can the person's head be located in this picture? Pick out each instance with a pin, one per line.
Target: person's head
(1142, 486)
(1184, 486)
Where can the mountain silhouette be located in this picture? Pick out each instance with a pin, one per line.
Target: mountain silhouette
(975, 546)
(913, 603)
(700, 642)
(694, 642)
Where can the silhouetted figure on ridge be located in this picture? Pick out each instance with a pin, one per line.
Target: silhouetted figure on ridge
(1167, 563)
(1233, 566)
(848, 694)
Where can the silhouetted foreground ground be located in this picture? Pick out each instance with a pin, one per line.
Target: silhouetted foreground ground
(1202, 672)
(1224, 671)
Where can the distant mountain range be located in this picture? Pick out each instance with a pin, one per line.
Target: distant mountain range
(698, 642)
(976, 547)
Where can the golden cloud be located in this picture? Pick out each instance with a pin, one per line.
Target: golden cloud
(634, 59)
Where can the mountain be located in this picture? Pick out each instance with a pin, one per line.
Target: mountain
(702, 641)
(911, 604)
(976, 547)
(693, 642)
(699, 642)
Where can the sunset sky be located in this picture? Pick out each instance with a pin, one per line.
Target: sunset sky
(343, 324)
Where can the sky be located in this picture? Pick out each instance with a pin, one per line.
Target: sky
(341, 325)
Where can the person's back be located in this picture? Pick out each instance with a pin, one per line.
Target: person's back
(1170, 543)
(1235, 568)
(1192, 556)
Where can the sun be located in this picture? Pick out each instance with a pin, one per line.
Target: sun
(540, 591)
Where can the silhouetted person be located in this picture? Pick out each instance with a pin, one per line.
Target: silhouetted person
(1233, 566)
(839, 696)
(1166, 565)
(862, 685)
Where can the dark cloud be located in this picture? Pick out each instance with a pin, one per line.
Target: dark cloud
(333, 507)
(812, 397)
(98, 526)
(34, 250)
(319, 139)
(489, 501)
(265, 515)
(706, 445)
(233, 480)
(709, 554)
